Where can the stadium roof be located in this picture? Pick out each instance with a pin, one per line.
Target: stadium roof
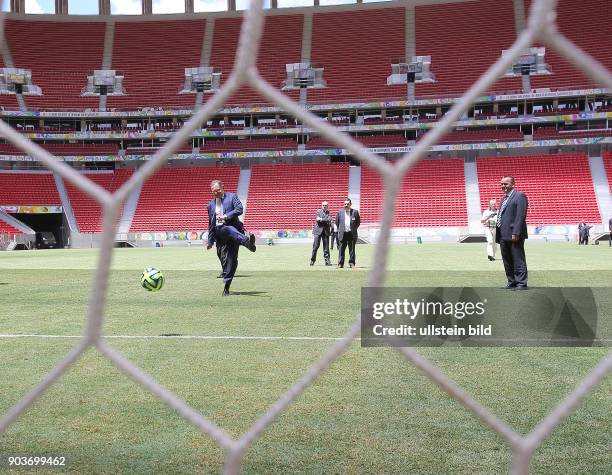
(138, 7)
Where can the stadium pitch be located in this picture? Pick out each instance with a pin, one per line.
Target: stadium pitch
(231, 358)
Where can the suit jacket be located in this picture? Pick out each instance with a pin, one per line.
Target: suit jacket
(513, 218)
(232, 208)
(323, 226)
(355, 222)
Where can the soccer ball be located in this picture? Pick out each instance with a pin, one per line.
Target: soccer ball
(152, 279)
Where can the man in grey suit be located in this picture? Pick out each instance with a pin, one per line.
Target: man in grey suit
(511, 234)
(321, 231)
(347, 223)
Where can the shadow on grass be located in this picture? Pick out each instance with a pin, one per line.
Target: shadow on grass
(252, 293)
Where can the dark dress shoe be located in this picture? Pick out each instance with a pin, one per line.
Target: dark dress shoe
(251, 244)
(312, 263)
(226, 291)
(352, 266)
(340, 266)
(328, 263)
(491, 258)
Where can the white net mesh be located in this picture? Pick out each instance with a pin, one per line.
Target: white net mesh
(541, 27)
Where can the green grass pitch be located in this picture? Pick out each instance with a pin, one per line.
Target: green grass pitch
(371, 412)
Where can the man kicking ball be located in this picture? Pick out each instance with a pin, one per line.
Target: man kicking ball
(223, 229)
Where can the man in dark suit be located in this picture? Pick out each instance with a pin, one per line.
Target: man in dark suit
(223, 229)
(511, 234)
(347, 223)
(334, 235)
(580, 232)
(321, 231)
(584, 230)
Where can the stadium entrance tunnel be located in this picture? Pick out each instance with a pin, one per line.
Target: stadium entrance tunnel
(48, 226)
(468, 238)
(125, 244)
(601, 238)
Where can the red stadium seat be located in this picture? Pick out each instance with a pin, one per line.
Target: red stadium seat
(285, 197)
(87, 211)
(559, 187)
(175, 199)
(423, 201)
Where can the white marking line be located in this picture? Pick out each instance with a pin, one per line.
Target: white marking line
(180, 337)
(297, 338)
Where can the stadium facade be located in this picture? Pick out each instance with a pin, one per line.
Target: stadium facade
(104, 93)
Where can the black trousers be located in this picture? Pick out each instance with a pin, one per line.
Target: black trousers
(334, 239)
(227, 251)
(347, 240)
(315, 247)
(515, 263)
(222, 255)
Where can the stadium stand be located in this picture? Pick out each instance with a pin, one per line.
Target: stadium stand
(557, 111)
(87, 211)
(387, 140)
(176, 198)
(587, 24)
(8, 229)
(287, 196)
(151, 81)
(235, 145)
(60, 55)
(607, 159)
(25, 189)
(356, 49)
(559, 187)
(463, 40)
(138, 150)
(476, 136)
(281, 44)
(432, 194)
(8, 101)
(552, 133)
(10, 149)
(91, 149)
(82, 149)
